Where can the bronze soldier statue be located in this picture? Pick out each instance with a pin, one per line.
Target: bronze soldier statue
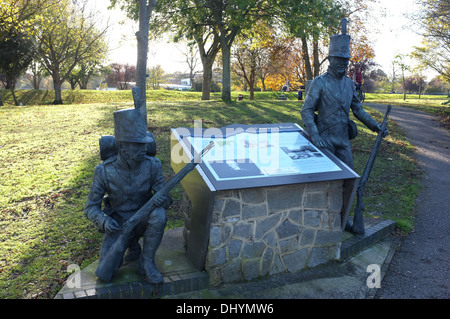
(332, 95)
(130, 178)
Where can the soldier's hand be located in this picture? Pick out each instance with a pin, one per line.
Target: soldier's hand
(318, 141)
(385, 132)
(159, 199)
(111, 226)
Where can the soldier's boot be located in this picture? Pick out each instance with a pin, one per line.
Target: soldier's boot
(147, 268)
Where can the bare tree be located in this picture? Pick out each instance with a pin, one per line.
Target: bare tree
(191, 58)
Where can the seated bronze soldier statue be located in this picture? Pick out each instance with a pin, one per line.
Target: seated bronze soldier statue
(129, 177)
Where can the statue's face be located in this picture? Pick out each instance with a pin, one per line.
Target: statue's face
(132, 151)
(338, 64)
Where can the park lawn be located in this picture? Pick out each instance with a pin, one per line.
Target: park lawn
(434, 104)
(48, 154)
(43, 97)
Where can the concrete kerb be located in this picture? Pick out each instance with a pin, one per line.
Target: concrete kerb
(182, 280)
(344, 279)
(335, 280)
(178, 273)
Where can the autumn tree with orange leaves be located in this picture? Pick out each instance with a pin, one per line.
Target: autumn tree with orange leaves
(361, 49)
(287, 64)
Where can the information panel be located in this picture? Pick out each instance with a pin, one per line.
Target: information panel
(262, 155)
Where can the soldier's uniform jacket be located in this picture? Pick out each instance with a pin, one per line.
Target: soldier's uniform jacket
(128, 190)
(332, 99)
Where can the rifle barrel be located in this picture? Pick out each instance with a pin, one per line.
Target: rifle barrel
(375, 148)
(108, 265)
(150, 205)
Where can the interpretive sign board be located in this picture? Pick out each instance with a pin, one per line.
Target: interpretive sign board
(251, 170)
(261, 155)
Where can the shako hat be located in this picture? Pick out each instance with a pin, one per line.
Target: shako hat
(340, 43)
(129, 126)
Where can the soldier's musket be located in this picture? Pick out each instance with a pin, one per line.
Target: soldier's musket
(108, 265)
(358, 220)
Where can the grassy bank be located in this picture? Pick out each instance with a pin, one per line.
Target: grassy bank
(47, 157)
(428, 103)
(46, 97)
(433, 104)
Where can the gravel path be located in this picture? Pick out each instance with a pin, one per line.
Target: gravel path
(420, 268)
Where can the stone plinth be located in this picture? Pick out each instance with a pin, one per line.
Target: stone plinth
(264, 201)
(269, 230)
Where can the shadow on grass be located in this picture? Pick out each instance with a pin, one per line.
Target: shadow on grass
(29, 97)
(37, 97)
(48, 232)
(53, 233)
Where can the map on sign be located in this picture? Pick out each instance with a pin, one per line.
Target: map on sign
(262, 153)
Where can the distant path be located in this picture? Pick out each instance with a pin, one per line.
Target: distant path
(420, 268)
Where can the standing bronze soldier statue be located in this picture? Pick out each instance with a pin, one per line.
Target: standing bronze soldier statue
(129, 178)
(328, 102)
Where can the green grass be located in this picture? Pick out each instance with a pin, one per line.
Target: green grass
(43, 97)
(394, 181)
(429, 103)
(433, 104)
(48, 153)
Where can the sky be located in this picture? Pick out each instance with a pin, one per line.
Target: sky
(390, 29)
(122, 42)
(396, 34)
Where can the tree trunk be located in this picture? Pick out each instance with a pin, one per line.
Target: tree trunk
(316, 58)
(252, 80)
(73, 84)
(145, 11)
(142, 50)
(263, 84)
(207, 58)
(11, 88)
(191, 78)
(403, 84)
(252, 91)
(207, 78)
(252, 77)
(225, 45)
(36, 82)
(57, 85)
(305, 55)
(83, 83)
(420, 87)
(11, 85)
(226, 69)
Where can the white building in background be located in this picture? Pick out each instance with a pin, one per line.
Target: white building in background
(184, 86)
(186, 82)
